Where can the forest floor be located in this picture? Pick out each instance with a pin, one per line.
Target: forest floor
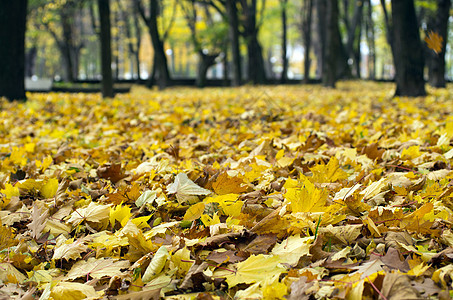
(294, 192)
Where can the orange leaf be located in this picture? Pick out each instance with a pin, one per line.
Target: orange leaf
(434, 41)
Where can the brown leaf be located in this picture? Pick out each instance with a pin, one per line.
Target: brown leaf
(392, 260)
(316, 249)
(195, 277)
(231, 237)
(147, 294)
(111, 171)
(299, 288)
(261, 244)
(373, 151)
(39, 217)
(397, 286)
(224, 257)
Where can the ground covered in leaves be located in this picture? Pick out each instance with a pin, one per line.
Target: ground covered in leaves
(253, 193)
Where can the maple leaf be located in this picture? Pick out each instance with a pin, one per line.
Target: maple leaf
(330, 172)
(39, 217)
(256, 268)
(224, 184)
(72, 290)
(10, 274)
(96, 213)
(185, 189)
(434, 41)
(97, 268)
(292, 249)
(306, 199)
(69, 249)
(369, 268)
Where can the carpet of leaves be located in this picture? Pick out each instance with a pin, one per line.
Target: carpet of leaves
(293, 192)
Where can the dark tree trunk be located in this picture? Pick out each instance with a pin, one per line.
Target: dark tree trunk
(332, 45)
(66, 46)
(233, 34)
(354, 36)
(106, 51)
(306, 29)
(407, 50)
(160, 68)
(284, 76)
(30, 61)
(116, 45)
(321, 11)
(436, 61)
(12, 48)
(138, 36)
(206, 61)
(369, 31)
(255, 68)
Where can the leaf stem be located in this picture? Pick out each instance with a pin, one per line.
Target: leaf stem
(376, 289)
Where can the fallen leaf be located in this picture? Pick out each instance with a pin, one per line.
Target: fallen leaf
(255, 269)
(185, 189)
(97, 268)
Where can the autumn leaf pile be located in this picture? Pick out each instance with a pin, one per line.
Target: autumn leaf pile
(252, 193)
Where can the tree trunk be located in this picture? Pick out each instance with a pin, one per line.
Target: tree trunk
(369, 31)
(284, 76)
(206, 61)
(161, 65)
(255, 68)
(332, 45)
(106, 50)
(233, 34)
(13, 16)
(354, 36)
(30, 61)
(65, 47)
(308, 7)
(407, 50)
(321, 11)
(436, 61)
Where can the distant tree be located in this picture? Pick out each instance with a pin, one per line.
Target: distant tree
(438, 23)
(407, 50)
(133, 34)
(106, 49)
(62, 19)
(370, 38)
(207, 42)
(332, 44)
(284, 18)
(160, 64)
(306, 25)
(233, 37)
(255, 67)
(12, 48)
(353, 24)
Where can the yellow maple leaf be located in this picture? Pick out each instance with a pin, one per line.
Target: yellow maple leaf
(224, 184)
(229, 203)
(306, 199)
(119, 213)
(72, 290)
(329, 173)
(49, 189)
(293, 248)
(434, 41)
(194, 212)
(256, 268)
